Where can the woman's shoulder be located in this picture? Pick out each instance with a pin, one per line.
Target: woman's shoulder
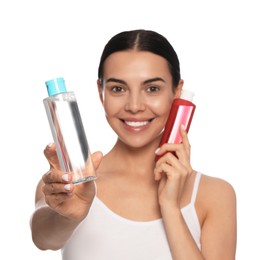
(214, 183)
(214, 191)
(216, 209)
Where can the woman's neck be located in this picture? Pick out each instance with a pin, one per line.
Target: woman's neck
(137, 160)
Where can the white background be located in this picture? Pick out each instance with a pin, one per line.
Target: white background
(224, 50)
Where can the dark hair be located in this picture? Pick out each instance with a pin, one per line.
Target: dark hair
(143, 40)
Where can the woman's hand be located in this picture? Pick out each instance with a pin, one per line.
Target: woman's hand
(71, 201)
(172, 170)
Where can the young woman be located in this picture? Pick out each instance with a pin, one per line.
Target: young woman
(137, 208)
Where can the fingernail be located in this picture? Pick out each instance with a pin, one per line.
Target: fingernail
(65, 177)
(67, 187)
(157, 150)
(50, 145)
(183, 127)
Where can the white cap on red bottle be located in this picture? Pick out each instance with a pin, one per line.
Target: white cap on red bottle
(187, 95)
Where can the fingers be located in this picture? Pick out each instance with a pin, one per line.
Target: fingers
(59, 191)
(185, 140)
(56, 176)
(96, 159)
(161, 169)
(180, 150)
(172, 176)
(169, 165)
(57, 187)
(175, 155)
(51, 155)
(56, 182)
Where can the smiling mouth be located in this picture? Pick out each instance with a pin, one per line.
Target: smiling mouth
(137, 123)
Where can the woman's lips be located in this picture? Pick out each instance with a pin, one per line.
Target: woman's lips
(136, 124)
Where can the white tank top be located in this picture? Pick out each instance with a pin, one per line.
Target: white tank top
(104, 235)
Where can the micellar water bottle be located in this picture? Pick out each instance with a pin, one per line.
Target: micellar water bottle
(68, 131)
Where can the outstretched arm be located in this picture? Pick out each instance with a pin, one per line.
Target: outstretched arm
(60, 206)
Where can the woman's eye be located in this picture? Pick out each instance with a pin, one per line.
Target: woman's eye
(153, 89)
(117, 89)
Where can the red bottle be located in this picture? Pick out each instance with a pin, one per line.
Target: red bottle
(181, 113)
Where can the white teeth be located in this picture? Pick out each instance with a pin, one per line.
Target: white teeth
(136, 124)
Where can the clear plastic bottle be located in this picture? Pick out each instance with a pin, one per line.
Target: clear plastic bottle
(68, 131)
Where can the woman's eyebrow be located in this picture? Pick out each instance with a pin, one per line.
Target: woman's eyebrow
(116, 81)
(145, 82)
(153, 80)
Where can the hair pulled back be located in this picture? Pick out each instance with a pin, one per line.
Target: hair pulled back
(143, 40)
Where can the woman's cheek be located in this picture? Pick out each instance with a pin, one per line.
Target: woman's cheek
(161, 106)
(112, 106)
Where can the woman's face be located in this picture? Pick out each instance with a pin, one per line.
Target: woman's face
(137, 94)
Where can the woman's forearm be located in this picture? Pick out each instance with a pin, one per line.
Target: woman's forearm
(50, 230)
(181, 242)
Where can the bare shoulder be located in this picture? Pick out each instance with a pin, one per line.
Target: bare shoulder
(216, 206)
(213, 185)
(215, 193)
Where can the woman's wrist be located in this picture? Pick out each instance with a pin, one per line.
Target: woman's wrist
(169, 209)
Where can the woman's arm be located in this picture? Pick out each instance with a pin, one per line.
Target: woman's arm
(181, 242)
(219, 230)
(60, 206)
(216, 202)
(218, 234)
(52, 226)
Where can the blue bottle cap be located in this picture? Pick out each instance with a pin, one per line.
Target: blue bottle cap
(55, 86)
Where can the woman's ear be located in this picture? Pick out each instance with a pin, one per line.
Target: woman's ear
(100, 90)
(179, 88)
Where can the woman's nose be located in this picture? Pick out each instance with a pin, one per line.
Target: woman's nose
(135, 103)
